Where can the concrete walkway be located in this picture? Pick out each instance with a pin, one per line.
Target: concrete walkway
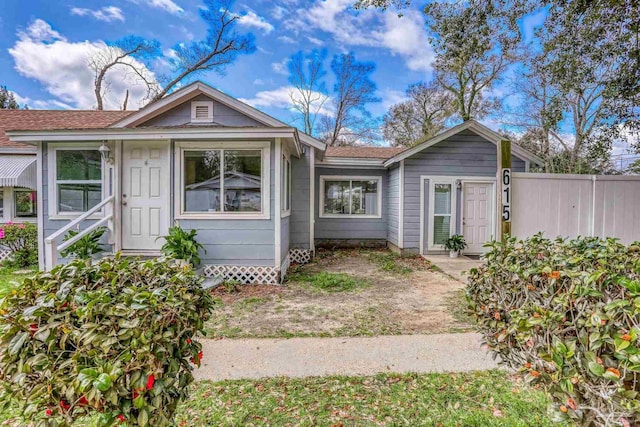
(302, 357)
(454, 267)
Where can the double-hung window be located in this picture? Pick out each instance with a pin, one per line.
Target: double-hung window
(223, 182)
(77, 180)
(350, 196)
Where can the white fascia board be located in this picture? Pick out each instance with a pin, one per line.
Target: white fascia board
(138, 134)
(350, 162)
(27, 150)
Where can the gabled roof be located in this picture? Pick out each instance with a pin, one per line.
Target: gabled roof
(473, 126)
(194, 89)
(364, 152)
(52, 120)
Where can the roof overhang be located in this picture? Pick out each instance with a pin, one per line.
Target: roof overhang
(352, 162)
(188, 92)
(474, 126)
(18, 171)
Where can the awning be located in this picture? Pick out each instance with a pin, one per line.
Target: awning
(18, 171)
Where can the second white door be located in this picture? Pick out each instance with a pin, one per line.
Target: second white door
(145, 194)
(476, 215)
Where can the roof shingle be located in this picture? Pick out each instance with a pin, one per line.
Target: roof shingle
(54, 120)
(364, 152)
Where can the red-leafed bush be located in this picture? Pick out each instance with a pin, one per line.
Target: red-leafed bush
(116, 340)
(566, 315)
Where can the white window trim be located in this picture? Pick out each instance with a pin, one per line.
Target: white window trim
(453, 180)
(324, 178)
(52, 181)
(208, 104)
(181, 147)
(14, 215)
(285, 197)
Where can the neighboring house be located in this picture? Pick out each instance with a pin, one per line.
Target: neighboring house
(260, 193)
(17, 174)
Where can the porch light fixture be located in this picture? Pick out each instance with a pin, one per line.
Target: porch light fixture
(105, 152)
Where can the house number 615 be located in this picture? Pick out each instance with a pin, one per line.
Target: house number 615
(506, 195)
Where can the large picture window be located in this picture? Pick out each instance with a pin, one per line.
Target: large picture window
(78, 180)
(222, 181)
(345, 196)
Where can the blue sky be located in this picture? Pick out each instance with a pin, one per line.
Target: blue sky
(44, 47)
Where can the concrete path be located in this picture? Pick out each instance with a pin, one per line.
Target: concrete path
(302, 357)
(454, 267)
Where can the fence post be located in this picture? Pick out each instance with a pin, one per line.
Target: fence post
(504, 188)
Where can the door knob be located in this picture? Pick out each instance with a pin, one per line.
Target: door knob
(124, 203)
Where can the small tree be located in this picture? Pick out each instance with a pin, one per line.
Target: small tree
(116, 340)
(8, 99)
(308, 95)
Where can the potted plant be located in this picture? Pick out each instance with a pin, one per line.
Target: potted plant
(182, 246)
(455, 244)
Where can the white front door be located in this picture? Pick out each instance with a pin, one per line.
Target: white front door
(476, 215)
(145, 194)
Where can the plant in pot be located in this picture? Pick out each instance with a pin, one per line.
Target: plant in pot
(454, 245)
(182, 246)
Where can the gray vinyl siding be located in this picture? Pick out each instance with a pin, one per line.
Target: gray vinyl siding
(463, 154)
(300, 204)
(393, 201)
(351, 227)
(240, 241)
(181, 114)
(284, 238)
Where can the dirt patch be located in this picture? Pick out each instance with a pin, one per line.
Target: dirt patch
(403, 296)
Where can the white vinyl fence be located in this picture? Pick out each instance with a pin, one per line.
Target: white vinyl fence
(576, 205)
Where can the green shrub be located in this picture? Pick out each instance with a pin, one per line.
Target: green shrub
(22, 240)
(115, 340)
(182, 244)
(86, 246)
(565, 314)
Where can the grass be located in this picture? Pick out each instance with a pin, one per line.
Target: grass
(329, 282)
(487, 398)
(458, 306)
(389, 262)
(9, 275)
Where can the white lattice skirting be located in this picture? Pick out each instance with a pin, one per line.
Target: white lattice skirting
(4, 253)
(300, 256)
(258, 274)
(255, 274)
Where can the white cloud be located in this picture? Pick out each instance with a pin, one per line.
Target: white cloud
(106, 14)
(315, 41)
(252, 19)
(404, 36)
(41, 104)
(281, 67)
(287, 39)
(278, 12)
(281, 98)
(166, 5)
(391, 97)
(43, 54)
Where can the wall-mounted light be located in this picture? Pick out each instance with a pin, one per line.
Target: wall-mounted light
(105, 152)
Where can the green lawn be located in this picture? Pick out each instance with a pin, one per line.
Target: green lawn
(9, 275)
(485, 399)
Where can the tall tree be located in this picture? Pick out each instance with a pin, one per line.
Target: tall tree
(124, 53)
(7, 99)
(426, 112)
(353, 90)
(308, 93)
(220, 48)
(474, 43)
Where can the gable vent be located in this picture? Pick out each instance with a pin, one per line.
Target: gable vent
(201, 112)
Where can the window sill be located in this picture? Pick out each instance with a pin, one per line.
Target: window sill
(223, 216)
(349, 216)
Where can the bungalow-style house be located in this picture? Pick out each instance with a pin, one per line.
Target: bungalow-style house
(261, 194)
